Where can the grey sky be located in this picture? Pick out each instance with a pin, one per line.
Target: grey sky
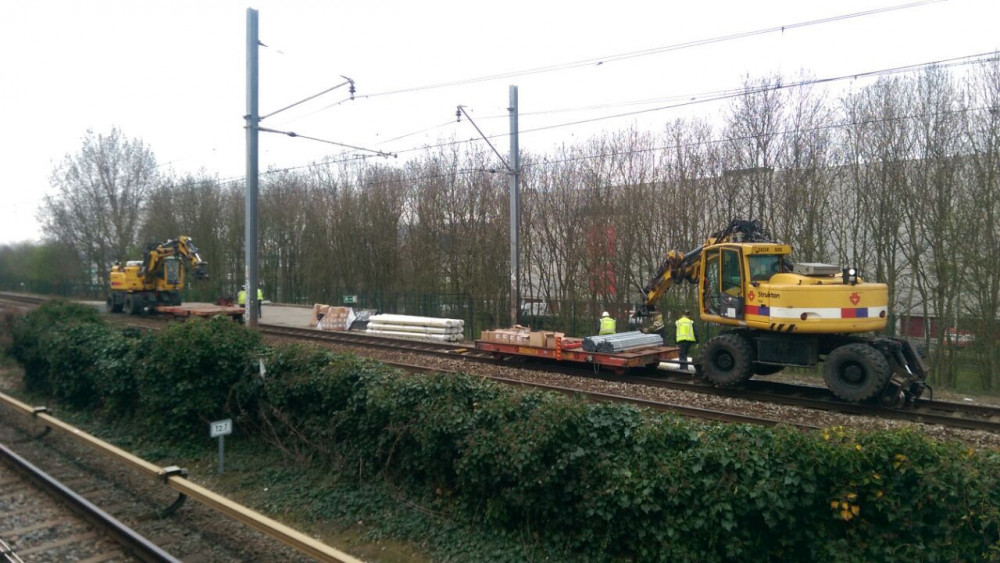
(173, 73)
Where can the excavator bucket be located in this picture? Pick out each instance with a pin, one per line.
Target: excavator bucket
(201, 271)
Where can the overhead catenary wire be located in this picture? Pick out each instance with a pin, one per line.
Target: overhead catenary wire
(712, 96)
(236, 180)
(956, 61)
(654, 50)
(943, 63)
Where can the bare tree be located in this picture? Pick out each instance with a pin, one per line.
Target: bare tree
(801, 205)
(933, 233)
(754, 142)
(876, 148)
(100, 192)
(980, 214)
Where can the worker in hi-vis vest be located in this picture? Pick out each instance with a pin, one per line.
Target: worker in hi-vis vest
(685, 337)
(606, 325)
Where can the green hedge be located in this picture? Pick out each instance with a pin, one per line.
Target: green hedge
(608, 481)
(192, 374)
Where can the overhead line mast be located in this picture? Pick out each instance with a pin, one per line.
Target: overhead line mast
(252, 126)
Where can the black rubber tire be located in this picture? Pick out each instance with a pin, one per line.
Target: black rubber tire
(727, 360)
(856, 372)
(109, 305)
(766, 369)
(129, 307)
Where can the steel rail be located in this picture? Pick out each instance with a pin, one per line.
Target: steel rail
(969, 417)
(137, 544)
(174, 478)
(953, 415)
(596, 396)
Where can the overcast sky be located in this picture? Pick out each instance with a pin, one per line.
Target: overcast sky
(173, 73)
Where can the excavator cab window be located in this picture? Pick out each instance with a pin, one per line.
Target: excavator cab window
(731, 279)
(710, 291)
(172, 270)
(763, 266)
(731, 298)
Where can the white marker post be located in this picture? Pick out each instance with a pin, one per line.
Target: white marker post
(220, 428)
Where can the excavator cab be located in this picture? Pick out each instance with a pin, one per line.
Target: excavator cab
(723, 289)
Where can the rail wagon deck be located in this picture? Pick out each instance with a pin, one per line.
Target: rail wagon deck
(200, 310)
(570, 349)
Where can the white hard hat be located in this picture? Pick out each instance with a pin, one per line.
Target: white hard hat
(605, 314)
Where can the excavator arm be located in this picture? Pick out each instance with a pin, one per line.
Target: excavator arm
(677, 266)
(183, 247)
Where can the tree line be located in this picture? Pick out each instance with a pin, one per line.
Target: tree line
(898, 177)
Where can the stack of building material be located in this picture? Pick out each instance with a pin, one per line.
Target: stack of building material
(336, 318)
(361, 319)
(611, 343)
(517, 334)
(319, 310)
(408, 326)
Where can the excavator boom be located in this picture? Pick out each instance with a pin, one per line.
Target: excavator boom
(677, 266)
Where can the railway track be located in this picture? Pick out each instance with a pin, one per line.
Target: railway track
(147, 499)
(955, 415)
(44, 520)
(933, 412)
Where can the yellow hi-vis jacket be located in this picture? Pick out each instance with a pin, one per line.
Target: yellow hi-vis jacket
(241, 297)
(685, 330)
(607, 326)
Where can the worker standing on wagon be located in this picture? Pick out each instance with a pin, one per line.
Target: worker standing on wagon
(606, 325)
(685, 337)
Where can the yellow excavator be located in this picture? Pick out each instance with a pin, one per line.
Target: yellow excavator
(157, 279)
(781, 314)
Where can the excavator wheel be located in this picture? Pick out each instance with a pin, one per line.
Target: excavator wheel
(111, 306)
(130, 306)
(856, 372)
(727, 360)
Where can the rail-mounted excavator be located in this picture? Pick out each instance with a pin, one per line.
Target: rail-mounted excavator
(157, 279)
(781, 314)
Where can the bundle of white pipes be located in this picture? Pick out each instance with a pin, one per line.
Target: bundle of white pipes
(408, 326)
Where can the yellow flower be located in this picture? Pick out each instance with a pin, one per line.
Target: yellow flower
(857, 447)
(855, 509)
(835, 504)
(852, 496)
(846, 515)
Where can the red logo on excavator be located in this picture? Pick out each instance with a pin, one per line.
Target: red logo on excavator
(855, 298)
(750, 295)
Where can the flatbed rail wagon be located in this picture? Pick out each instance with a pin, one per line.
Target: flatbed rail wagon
(200, 310)
(569, 349)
